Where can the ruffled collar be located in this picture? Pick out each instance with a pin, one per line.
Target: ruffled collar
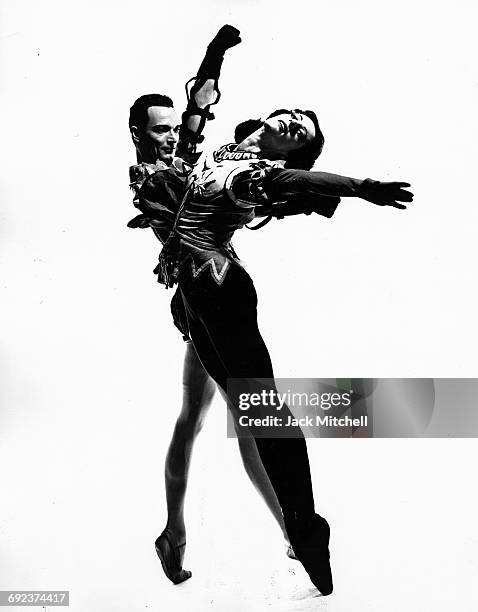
(230, 152)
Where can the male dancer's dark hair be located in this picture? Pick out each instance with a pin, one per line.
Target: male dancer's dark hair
(138, 113)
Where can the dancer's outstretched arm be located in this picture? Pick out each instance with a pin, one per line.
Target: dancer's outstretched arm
(282, 183)
(203, 91)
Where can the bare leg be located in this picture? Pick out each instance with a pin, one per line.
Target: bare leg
(199, 389)
(198, 392)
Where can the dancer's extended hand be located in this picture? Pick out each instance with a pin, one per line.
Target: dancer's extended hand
(386, 194)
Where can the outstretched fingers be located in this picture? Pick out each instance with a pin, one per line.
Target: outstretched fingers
(404, 196)
(400, 194)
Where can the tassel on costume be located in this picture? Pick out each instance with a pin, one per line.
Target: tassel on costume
(168, 262)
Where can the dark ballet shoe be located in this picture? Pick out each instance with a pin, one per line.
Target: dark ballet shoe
(310, 541)
(171, 556)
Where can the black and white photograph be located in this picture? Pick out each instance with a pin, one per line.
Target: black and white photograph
(239, 341)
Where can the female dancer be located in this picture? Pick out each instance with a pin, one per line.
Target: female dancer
(220, 299)
(155, 146)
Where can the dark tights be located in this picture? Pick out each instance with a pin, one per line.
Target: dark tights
(222, 323)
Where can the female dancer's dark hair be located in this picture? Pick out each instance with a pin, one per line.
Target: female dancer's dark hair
(246, 128)
(301, 159)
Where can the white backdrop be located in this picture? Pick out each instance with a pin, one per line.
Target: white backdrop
(92, 364)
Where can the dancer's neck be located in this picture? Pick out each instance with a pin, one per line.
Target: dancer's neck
(255, 144)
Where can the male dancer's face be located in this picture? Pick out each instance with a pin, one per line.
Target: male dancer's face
(160, 137)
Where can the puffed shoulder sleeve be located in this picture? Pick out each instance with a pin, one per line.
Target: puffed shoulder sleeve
(245, 185)
(160, 195)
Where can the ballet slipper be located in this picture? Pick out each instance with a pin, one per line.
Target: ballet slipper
(171, 556)
(310, 541)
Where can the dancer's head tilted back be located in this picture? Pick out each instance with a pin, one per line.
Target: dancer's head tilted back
(291, 135)
(154, 127)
